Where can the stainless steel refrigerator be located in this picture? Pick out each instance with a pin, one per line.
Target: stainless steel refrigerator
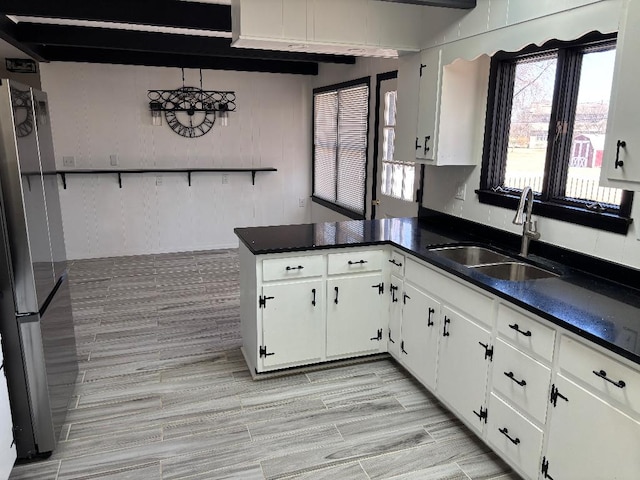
(35, 306)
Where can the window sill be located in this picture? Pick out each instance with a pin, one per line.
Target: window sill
(337, 208)
(609, 222)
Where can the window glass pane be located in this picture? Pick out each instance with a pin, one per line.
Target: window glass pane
(353, 114)
(388, 144)
(530, 116)
(407, 188)
(325, 140)
(585, 161)
(390, 99)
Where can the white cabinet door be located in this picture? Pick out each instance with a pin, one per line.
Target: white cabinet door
(420, 334)
(588, 438)
(354, 315)
(7, 447)
(429, 104)
(624, 113)
(395, 316)
(292, 323)
(463, 364)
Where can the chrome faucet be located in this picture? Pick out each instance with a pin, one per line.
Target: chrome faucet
(523, 217)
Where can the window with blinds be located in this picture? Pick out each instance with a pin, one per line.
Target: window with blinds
(340, 131)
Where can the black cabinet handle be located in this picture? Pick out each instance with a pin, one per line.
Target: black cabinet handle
(397, 264)
(402, 348)
(360, 262)
(505, 432)
(447, 321)
(426, 139)
(336, 299)
(517, 329)
(417, 144)
(393, 289)
(404, 298)
(522, 383)
(390, 339)
(602, 374)
(429, 321)
(313, 302)
(619, 145)
(299, 267)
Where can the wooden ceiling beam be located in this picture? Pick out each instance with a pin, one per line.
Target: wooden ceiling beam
(131, 40)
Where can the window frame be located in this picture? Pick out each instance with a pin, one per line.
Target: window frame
(363, 81)
(551, 202)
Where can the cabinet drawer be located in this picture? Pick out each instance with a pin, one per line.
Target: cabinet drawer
(355, 262)
(581, 362)
(525, 332)
(521, 380)
(397, 264)
(462, 296)
(514, 436)
(288, 268)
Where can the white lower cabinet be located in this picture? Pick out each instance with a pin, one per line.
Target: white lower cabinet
(396, 286)
(7, 447)
(354, 315)
(514, 436)
(588, 438)
(292, 323)
(463, 364)
(419, 334)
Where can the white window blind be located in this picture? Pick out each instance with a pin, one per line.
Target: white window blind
(340, 146)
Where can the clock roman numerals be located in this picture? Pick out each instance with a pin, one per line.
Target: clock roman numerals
(190, 131)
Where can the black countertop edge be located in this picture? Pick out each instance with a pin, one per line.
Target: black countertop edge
(433, 260)
(591, 306)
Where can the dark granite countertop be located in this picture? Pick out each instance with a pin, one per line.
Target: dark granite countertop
(596, 308)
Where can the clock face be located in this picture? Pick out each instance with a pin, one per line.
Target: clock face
(185, 120)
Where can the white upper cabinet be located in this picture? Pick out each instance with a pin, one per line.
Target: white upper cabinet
(451, 108)
(621, 158)
(356, 27)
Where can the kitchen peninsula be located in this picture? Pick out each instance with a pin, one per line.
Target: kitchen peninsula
(527, 365)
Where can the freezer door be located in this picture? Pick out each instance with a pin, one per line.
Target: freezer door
(24, 199)
(50, 179)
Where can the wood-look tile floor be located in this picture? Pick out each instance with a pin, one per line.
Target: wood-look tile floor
(164, 393)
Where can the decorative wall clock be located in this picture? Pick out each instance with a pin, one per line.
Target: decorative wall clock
(22, 112)
(190, 111)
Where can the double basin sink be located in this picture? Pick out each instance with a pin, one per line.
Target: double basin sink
(492, 263)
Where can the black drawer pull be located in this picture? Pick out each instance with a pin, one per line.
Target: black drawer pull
(360, 262)
(505, 432)
(517, 329)
(602, 374)
(397, 264)
(299, 267)
(336, 299)
(426, 148)
(405, 297)
(429, 321)
(313, 302)
(522, 383)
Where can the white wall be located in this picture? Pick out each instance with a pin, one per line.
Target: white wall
(331, 74)
(102, 110)
(440, 182)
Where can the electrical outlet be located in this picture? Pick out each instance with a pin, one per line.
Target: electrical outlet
(461, 191)
(69, 161)
(158, 180)
(113, 159)
(302, 202)
(225, 178)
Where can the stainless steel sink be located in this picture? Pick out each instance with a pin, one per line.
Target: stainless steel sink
(471, 256)
(514, 271)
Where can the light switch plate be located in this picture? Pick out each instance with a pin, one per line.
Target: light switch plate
(113, 159)
(461, 191)
(69, 161)
(225, 178)
(158, 180)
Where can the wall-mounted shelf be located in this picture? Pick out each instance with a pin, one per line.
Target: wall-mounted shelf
(63, 173)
